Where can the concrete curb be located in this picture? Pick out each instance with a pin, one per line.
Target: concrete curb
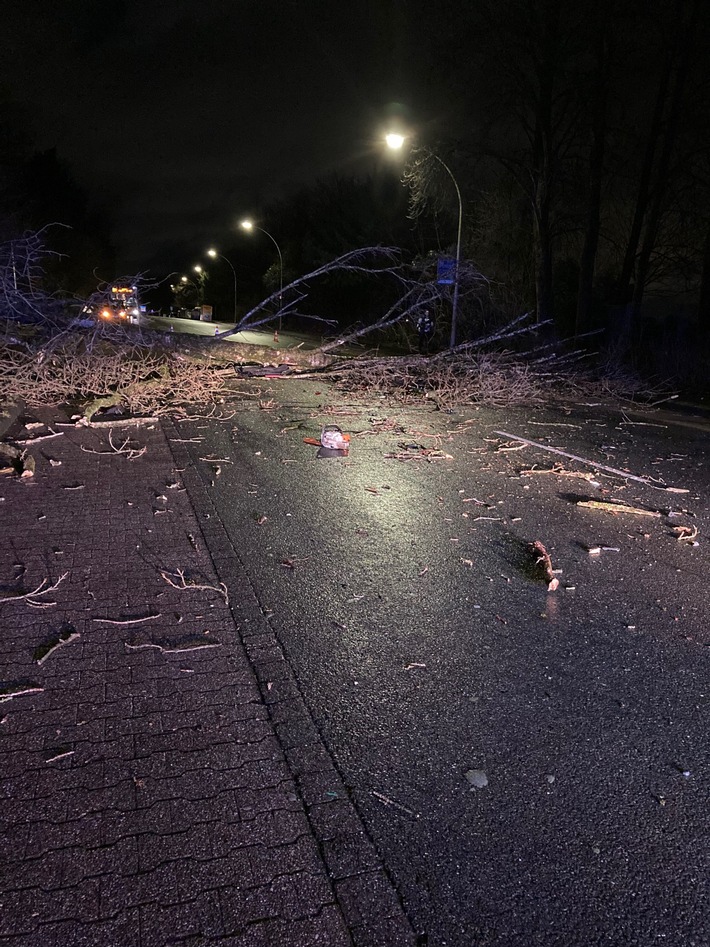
(365, 893)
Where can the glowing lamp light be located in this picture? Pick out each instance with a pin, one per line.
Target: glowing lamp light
(394, 141)
(247, 225)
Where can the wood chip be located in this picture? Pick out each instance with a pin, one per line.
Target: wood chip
(610, 506)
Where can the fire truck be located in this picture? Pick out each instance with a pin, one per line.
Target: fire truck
(120, 304)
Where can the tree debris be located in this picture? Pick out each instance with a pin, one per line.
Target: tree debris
(292, 563)
(61, 755)
(178, 646)
(559, 471)
(127, 621)
(130, 452)
(180, 580)
(543, 560)
(41, 437)
(614, 506)
(29, 597)
(416, 452)
(65, 636)
(18, 689)
(592, 463)
(386, 801)
(686, 534)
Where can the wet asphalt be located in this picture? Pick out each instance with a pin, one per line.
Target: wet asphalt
(405, 594)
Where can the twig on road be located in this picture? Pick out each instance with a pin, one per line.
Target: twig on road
(592, 463)
(612, 506)
(183, 583)
(42, 589)
(127, 621)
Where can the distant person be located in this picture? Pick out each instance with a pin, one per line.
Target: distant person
(425, 328)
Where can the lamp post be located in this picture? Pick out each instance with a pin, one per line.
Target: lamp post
(185, 281)
(249, 225)
(395, 142)
(201, 277)
(214, 254)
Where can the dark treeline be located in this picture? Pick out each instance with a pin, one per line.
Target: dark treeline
(583, 152)
(579, 136)
(38, 192)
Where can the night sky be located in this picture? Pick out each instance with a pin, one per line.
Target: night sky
(183, 116)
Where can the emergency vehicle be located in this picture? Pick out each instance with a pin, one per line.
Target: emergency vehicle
(121, 304)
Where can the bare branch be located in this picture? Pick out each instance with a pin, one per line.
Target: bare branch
(44, 588)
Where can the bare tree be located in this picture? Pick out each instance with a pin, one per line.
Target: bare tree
(22, 265)
(678, 62)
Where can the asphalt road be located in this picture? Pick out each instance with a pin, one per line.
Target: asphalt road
(434, 658)
(264, 337)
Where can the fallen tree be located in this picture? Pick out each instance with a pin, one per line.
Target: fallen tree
(138, 371)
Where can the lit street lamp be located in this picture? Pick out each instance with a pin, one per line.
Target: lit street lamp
(213, 253)
(249, 225)
(201, 277)
(395, 142)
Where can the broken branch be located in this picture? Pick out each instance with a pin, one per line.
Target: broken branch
(612, 506)
(183, 583)
(592, 463)
(543, 560)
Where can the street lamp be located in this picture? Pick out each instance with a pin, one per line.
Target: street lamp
(249, 225)
(395, 142)
(213, 253)
(201, 276)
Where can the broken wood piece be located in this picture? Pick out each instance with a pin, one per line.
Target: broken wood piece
(42, 437)
(686, 534)
(179, 646)
(126, 621)
(559, 471)
(612, 506)
(386, 801)
(130, 452)
(592, 463)
(66, 636)
(28, 465)
(42, 589)
(122, 422)
(18, 689)
(60, 756)
(543, 560)
(183, 583)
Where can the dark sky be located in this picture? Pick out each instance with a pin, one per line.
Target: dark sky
(183, 115)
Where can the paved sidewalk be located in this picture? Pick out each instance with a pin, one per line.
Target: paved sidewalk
(162, 781)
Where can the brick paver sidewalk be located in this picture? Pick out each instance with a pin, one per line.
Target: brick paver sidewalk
(162, 781)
